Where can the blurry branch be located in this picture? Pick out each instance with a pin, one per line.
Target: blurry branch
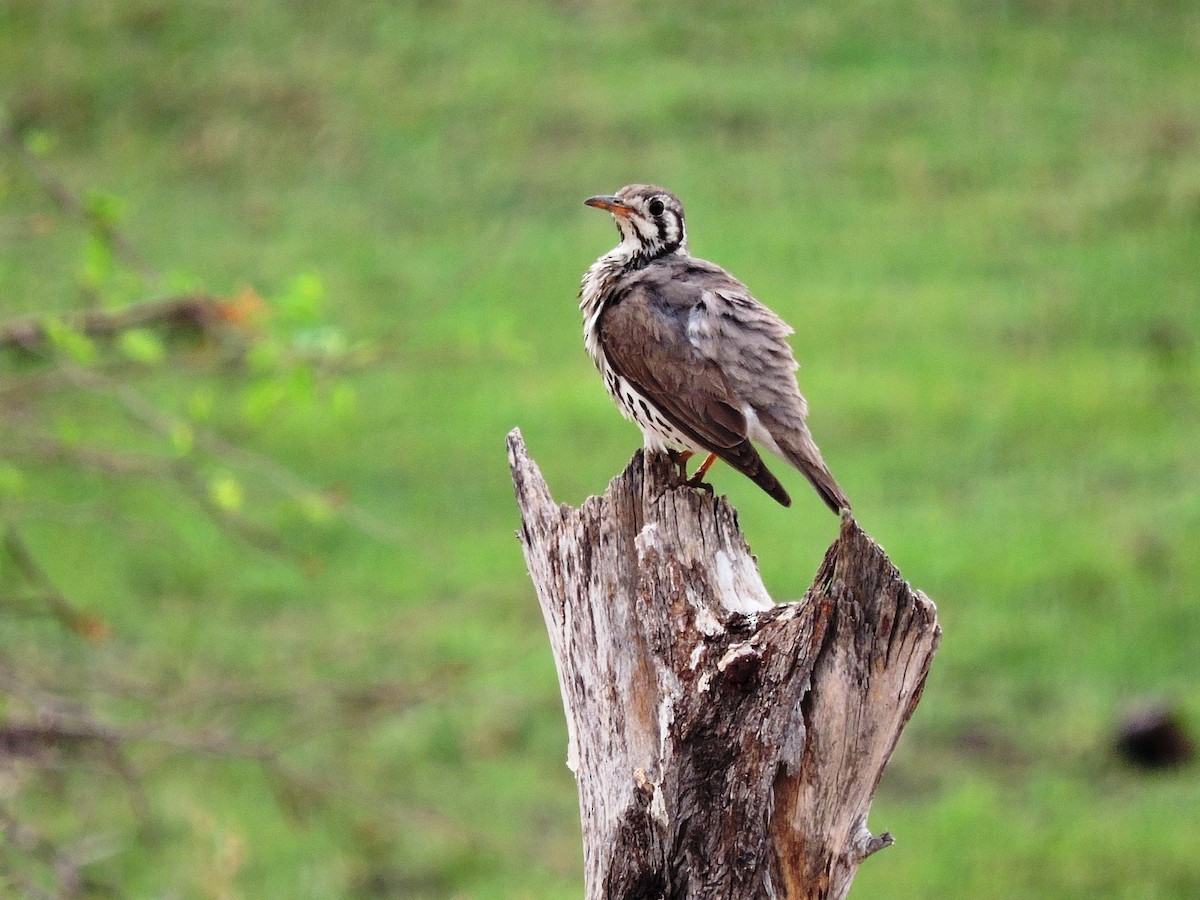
(64, 863)
(49, 744)
(54, 732)
(211, 317)
(234, 318)
(105, 716)
(43, 734)
(280, 477)
(196, 312)
(61, 732)
(55, 603)
(46, 449)
(70, 203)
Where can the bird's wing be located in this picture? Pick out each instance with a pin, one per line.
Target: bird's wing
(763, 371)
(643, 333)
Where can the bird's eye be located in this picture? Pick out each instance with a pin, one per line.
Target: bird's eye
(656, 207)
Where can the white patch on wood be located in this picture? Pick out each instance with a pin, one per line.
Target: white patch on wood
(646, 537)
(666, 712)
(707, 622)
(666, 719)
(572, 748)
(658, 809)
(741, 588)
(735, 654)
(630, 586)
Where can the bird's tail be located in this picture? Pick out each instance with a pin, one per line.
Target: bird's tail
(765, 479)
(747, 460)
(802, 452)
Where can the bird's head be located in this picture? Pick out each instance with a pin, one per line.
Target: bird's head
(649, 220)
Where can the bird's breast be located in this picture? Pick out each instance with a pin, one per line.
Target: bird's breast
(597, 291)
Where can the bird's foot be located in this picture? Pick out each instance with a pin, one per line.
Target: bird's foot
(680, 459)
(697, 481)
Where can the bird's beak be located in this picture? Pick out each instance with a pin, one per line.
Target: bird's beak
(614, 205)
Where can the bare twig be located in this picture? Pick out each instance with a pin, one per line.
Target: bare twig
(20, 840)
(54, 600)
(48, 450)
(200, 312)
(70, 203)
(44, 448)
(271, 472)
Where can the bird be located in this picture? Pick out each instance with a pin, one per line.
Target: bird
(689, 354)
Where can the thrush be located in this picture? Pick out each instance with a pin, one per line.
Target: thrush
(690, 355)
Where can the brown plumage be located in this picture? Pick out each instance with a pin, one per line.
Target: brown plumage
(689, 354)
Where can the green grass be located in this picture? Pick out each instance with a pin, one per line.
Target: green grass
(983, 220)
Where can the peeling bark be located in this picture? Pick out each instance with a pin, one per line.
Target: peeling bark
(724, 746)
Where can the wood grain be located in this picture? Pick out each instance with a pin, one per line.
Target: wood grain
(724, 745)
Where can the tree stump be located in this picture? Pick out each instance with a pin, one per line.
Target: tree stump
(724, 745)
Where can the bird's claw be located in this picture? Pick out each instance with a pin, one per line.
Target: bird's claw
(679, 459)
(699, 484)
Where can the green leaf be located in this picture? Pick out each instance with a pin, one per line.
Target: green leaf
(263, 397)
(315, 508)
(142, 346)
(301, 385)
(264, 356)
(343, 401)
(226, 492)
(97, 262)
(39, 143)
(105, 209)
(66, 339)
(302, 303)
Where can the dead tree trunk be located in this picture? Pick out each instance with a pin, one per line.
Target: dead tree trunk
(724, 746)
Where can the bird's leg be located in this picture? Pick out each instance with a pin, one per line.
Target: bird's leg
(697, 480)
(680, 459)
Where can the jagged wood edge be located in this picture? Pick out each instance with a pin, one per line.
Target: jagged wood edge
(817, 815)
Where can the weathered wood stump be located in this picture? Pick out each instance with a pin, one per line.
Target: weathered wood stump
(724, 746)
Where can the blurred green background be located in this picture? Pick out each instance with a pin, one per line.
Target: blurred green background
(317, 651)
